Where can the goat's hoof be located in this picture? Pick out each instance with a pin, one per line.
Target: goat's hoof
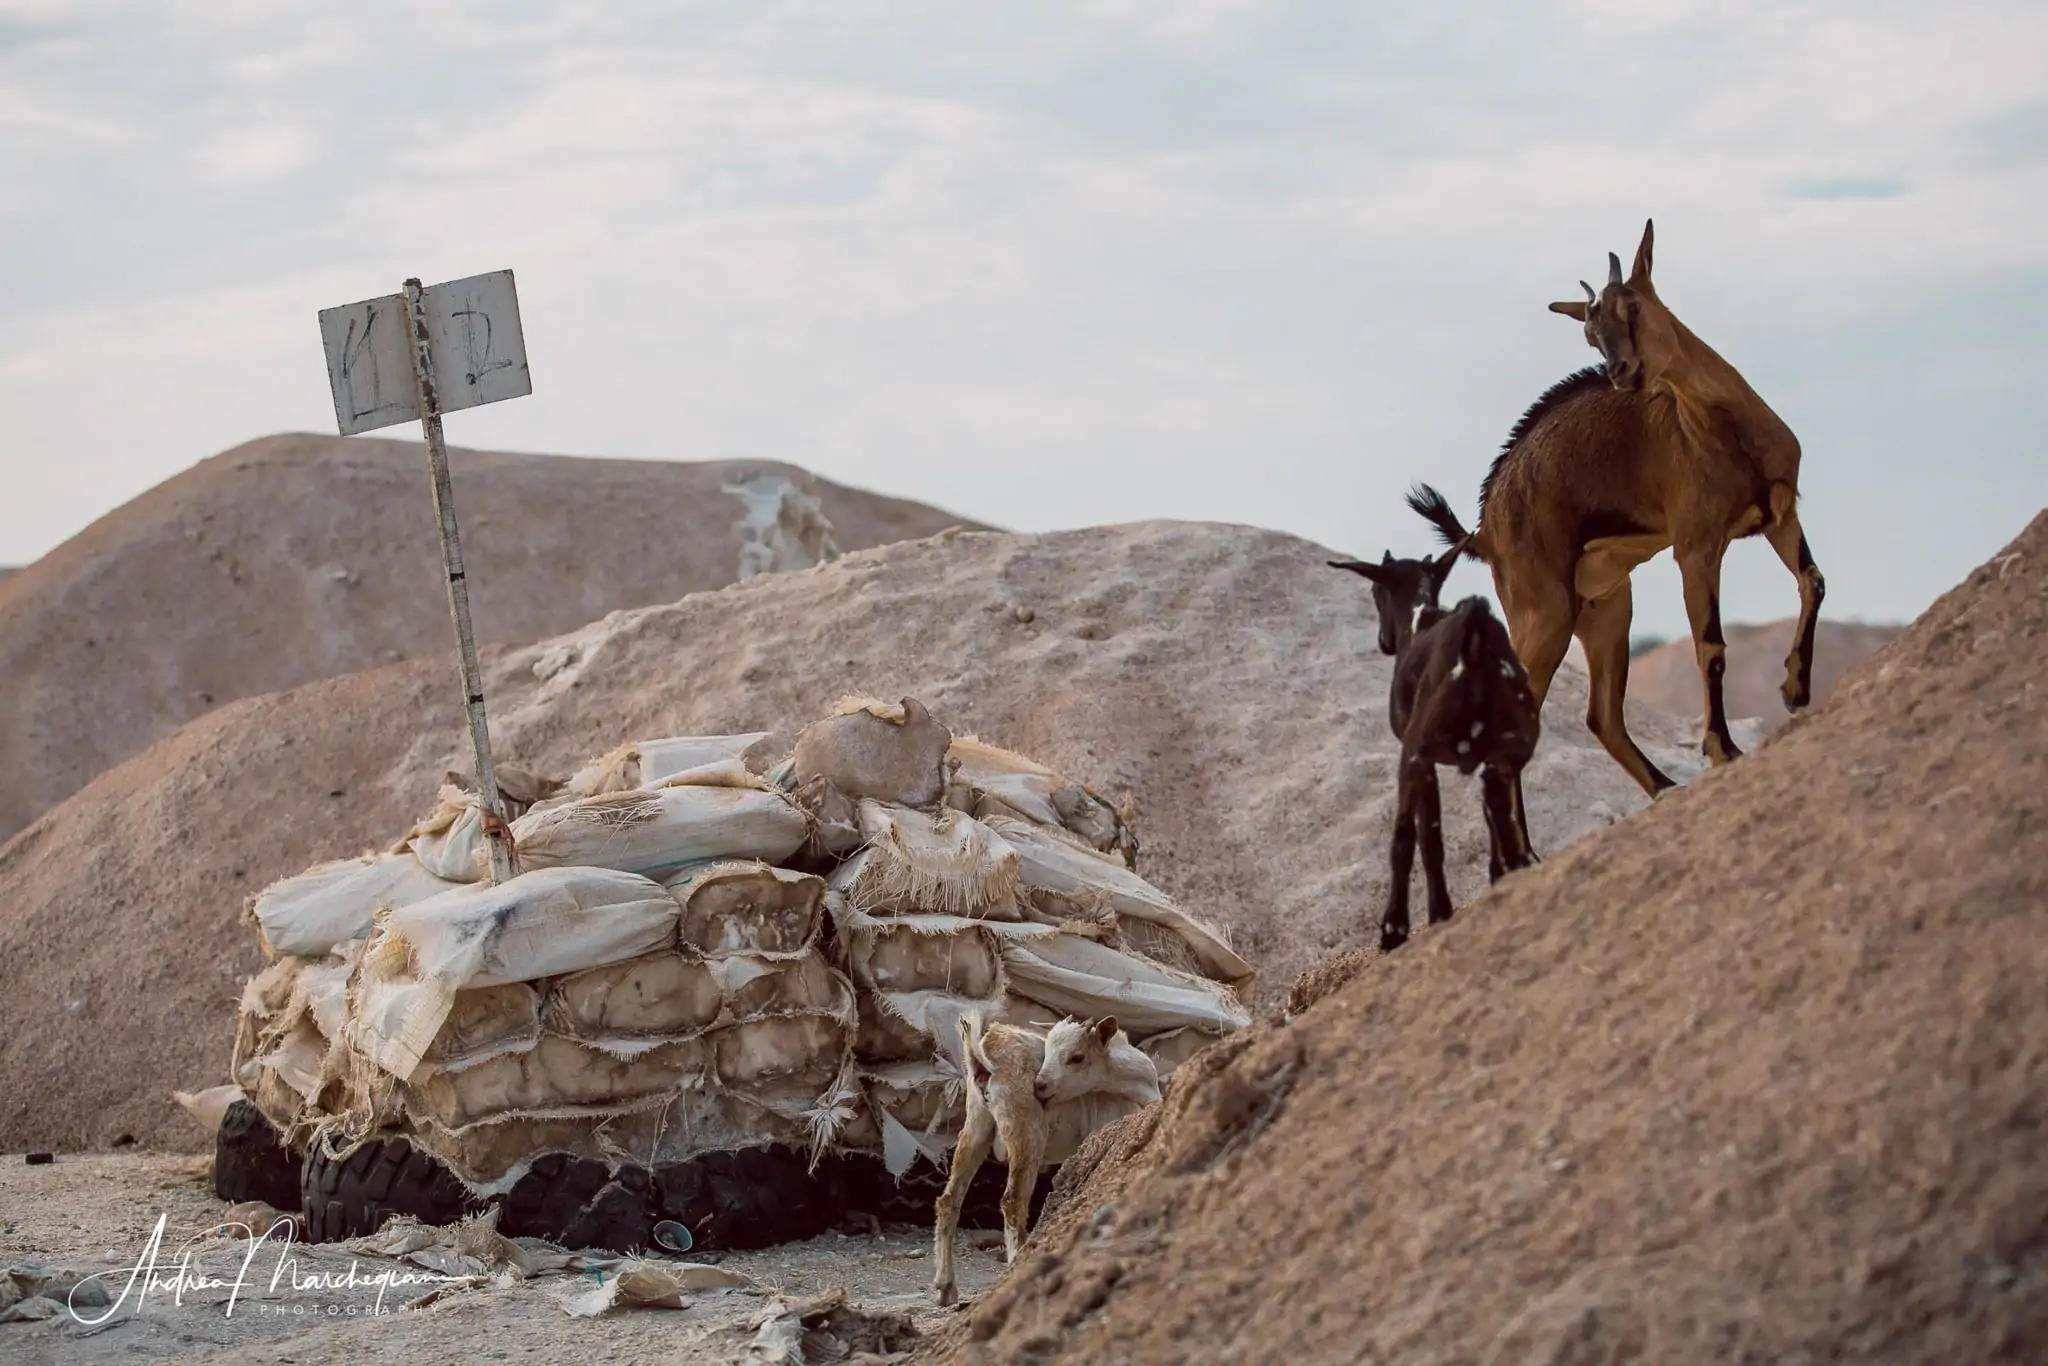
(946, 1295)
(1392, 938)
(1796, 696)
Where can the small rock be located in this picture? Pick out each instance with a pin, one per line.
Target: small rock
(32, 1310)
(1025, 616)
(552, 661)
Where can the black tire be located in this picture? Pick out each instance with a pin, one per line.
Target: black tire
(911, 1198)
(557, 1194)
(250, 1163)
(352, 1197)
(752, 1197)
(731, 1201)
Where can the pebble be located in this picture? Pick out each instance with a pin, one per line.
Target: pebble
(1026, 616)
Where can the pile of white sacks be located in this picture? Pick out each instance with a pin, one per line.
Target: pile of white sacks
(696, 957)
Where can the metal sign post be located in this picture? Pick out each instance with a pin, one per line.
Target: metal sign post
(462, 346)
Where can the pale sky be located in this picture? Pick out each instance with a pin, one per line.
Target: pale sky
(1050, 265)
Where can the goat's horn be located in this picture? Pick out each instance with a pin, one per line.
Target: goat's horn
(1591, 297)
(1613, 269)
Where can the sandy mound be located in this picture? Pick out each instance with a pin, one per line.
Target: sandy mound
(1224, 675)
(302, 557)
(1761, 1075)
(1668, 677)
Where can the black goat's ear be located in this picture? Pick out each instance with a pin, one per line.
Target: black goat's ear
(1363, 568)
(1105, 1028)
(1440, 568)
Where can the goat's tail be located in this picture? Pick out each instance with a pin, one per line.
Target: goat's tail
(1435, 509)
(973, 1067)
(1482, 640)
(1474, 647)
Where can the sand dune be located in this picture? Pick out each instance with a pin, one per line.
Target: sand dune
(302, 557)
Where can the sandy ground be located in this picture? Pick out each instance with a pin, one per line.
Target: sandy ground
(1223, 675)
(301, 557)
(97, 1213)
(1759, 1074)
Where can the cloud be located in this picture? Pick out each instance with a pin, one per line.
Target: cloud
(1847, 187)
(255, 153)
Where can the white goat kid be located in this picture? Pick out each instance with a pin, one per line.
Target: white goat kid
(1031, 1099)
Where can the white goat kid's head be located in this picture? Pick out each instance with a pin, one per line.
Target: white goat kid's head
(1093, 1056)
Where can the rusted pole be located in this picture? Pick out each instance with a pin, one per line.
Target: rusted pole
(495, 829)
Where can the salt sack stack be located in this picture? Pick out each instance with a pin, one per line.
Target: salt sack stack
(695, 957)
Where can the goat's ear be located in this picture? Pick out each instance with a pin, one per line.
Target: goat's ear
(1639, 273)
(1440, 568)
(1571, 308)
(1363, 568)
(1105, 1028)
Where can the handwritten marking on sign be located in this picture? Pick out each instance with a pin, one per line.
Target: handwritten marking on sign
(473, 332)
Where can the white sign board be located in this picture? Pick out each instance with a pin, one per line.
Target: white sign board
(472, 332)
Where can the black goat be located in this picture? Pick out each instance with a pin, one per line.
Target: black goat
(1459, 697)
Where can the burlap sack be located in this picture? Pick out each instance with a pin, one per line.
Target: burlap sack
(557, 1078)
(658, 832)
(539, 924)
(449, 841)
(1051, 864)
(915, 861)
(331, 903)
(1001, 783)
(889, 752)
(649, 763)
(752, 908)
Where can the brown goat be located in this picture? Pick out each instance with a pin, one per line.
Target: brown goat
(1667, 447)
(1459, 697)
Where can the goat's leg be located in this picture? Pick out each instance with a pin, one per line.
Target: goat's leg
(1494, 866)
(1789, 540)
(1429, 827)
(1024, 1136)
(1394, 921)
(977, 1136)
(1603, 632)
(1496, 784)
(1699, 565)
(1540, 617)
